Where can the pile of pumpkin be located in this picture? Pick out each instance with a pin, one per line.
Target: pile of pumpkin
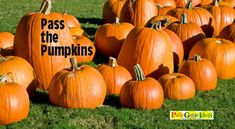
(164, 49)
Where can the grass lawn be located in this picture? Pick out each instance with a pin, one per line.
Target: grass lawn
(43, 115)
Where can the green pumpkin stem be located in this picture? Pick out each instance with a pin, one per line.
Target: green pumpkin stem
(189, 4)
(184, 19)
(45, 7)
(139, 74)
(157, 25)
(197, 58)
(5, 78)
(2, 58)
(112, 62)
(73, 62)
(117, 20)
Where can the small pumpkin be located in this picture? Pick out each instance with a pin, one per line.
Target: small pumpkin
(138, 12)
(177, 86)
(6, 43)
(151, 48)
(201, 71)
(142, 93)
(14, 101)
(112, 9)
(188, 32)
(228, 33)
(220, 52)
(114, 75)
(88, 49)
(20, 70)
(109, 37)
(70, 20)
(77, 87)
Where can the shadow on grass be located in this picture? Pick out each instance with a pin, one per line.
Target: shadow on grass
(97, 21)
(90, 31)
(40, 97)
(113, 100)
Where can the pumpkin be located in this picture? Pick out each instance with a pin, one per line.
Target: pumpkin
(109, 37)
(77, 31)
(164, 19)
(223, 16)
(198, 15)
(201, 71)
(170, 3)
(138, 12)
(6, 43)
(220, 52)
(114, 75)
(228, 33)
(177, 86)
(183, 3)
(77, 87)
(28, 43)
(142, 93)
(87, 47)
(112, 9)
(14, 101)
(20, 71)
(70, 20)
(188, 32)
(151, 48)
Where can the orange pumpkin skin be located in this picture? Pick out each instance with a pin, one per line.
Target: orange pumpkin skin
(138, 12)
(112, 9)
(84, 41)
(114, 75)
(230, 3)
(82, 87)
(201, 71)
(223, 15)
(177, 86)
(14, 103)
(183, 3)
(197, 15)
(6, 43)
(206, 2)
(220, 52)
(28, 44)
(77, 31)
(228, 33)
(71, 21)
(146, 93)
(164, 10)
(109, 37)
(164, 19)
(188, 32)
(164, 3)
(149, 47)
(20, 71)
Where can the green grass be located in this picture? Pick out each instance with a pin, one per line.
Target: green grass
(43, 115)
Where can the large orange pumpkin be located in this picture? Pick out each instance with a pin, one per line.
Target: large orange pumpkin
(198, 15)
(114, 75)
(87, 47)
(149, 47)
(201, 71)
(228, 33)
(112, 9)
(20, 71)
(109, 37)
(188, 32)
(177, 86)
(222, 14)
(28, 43)
(142, 93)
(138, 12)
(14, 101)
(220, 52)
(78, 87)
(6, 43)
(71, 21)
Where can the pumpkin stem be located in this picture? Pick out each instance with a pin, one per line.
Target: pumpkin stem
(197, 58)
(215, 3)
(184, 19)
(157, 25)
(5, 78)
(218, 41)
(174, 75)
(117, 20)
(2, 58)
(112, 62)
(189, 4)
(139, 74)
(73, 62)
(45, 7)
